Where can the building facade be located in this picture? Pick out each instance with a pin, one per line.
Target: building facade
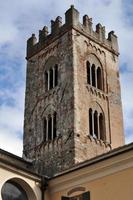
(73, 106)
(73, 126)
(108, 176)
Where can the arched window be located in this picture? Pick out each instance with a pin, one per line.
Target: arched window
(94, 72)
(56, 75)
(54, 125)
(101, 126)
(13, 191)
(88, 72)
(49, 128)
(51, 79)
(46, 81)
(96, 124)
(90, 122)
(44, 129)
(99, 79)
(51, 74)
(93, 75)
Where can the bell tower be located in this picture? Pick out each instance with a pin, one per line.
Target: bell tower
(73, 108)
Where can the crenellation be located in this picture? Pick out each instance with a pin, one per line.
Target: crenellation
(71, 21)
(98, 28)
(43, 34)
(72, 16)
(87, 23)
(101, 32)
(55, 25)
(30, 43)
(113, 39)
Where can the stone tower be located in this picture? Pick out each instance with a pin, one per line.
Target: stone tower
(73, 108)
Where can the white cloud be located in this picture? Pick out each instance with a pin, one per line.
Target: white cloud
(127, 96)
(12, 116)
(19, 20)
(10, 142)
(11, 120)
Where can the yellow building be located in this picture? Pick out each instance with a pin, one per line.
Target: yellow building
(73, 126)
(108, 176)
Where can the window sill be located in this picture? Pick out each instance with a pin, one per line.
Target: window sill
(99, 141)
(97, 92)
(52, 91)
(52, 142)
(51, 145)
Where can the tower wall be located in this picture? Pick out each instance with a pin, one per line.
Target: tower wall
(51, 156)
(86, 96)
(71, 46)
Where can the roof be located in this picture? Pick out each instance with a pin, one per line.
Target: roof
(97, 159)
(27, 166)
(17, 162)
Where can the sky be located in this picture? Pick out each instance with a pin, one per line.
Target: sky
(19, 19)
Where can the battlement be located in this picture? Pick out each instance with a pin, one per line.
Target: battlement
(72, 21)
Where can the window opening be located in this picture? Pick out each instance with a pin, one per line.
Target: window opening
(93, 75)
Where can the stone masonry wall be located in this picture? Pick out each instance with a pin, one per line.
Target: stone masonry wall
(70, 46)
(87, 96)
(58, 154)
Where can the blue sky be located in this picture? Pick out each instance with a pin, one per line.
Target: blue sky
(20, 20)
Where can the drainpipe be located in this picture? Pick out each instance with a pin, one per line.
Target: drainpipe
(44, 185)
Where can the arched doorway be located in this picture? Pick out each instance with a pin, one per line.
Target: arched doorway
(17, 189)
(13, 191)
